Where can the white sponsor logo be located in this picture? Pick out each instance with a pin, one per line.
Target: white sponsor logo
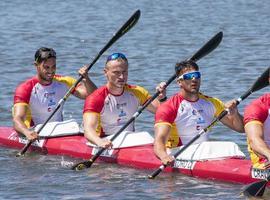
(35, 143)
(259, 173)
(13, 136)
(184, 164)
(105, 153)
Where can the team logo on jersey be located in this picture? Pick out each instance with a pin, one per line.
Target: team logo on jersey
(121, 108)
(200, 120)
(49, 94)
(182, 108)
(51, 103)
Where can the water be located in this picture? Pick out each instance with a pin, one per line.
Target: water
(167, 32)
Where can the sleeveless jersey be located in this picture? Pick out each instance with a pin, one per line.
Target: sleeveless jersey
(114, 111)
(41, 100)
(259, 112)
(187, 118)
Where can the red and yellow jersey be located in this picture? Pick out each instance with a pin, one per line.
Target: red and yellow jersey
(187, 118)
(258, 112)
(114, 111)
(40, 99)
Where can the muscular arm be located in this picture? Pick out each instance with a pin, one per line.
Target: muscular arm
(235, 122)
(155, 104)
(19, 116)
(254, 133)
(85, 88)
(233, 119)
(162, 132)
(90, 121)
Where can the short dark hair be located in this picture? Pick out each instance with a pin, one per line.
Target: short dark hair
(180, 66)
(43, 54)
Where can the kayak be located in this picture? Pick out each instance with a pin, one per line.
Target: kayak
(129, 150)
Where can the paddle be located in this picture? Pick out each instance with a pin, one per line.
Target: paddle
(124, 29)
(260, 83)
(59, 136)
(256, 189)
(207, 48)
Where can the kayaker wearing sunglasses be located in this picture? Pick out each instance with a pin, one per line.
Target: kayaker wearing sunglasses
(257, 127)
(36, 98)
(108, 108)
(186, 113)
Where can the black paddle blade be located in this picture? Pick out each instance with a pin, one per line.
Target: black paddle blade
(208, 47)
(82, 165)
(262, 81)
(124, 29)
(255, 189)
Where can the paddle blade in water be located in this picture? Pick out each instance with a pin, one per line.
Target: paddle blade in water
(82, 165)
(255, 189)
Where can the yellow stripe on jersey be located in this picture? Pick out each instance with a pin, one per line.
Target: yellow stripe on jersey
(255, 158)
(28, 117)
(218, 104)
(98, 129)
(69, 81)
(173, 140)
(254, 122)
(163, 123)
(141, 93)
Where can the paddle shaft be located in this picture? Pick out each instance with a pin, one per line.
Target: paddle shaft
(125, 28)
(59, 136)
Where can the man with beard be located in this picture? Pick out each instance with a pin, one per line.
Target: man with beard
(37, 97)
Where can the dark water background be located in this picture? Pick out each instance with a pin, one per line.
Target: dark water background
(167, 32)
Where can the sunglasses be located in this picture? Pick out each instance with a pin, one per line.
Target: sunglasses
(116, 56)
(190, 75)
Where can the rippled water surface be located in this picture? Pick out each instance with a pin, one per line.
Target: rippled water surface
(168, 31)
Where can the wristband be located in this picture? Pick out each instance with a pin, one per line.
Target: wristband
(163, 99)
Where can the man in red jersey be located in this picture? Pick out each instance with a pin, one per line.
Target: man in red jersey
(185, 114)
(257, 127)
(37, 97)
(108, 108)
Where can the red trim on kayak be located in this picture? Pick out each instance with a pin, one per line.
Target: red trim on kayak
(233, 170)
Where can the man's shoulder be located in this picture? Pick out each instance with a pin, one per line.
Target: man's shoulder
(173, 102)
(209, 98)
(129, 87)
(27, 84)
(100, 92)
(24, 89)
(263, 100)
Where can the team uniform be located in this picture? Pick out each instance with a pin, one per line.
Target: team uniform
(259, 112)
(187, 118)
(114, 111)
(41, 100)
